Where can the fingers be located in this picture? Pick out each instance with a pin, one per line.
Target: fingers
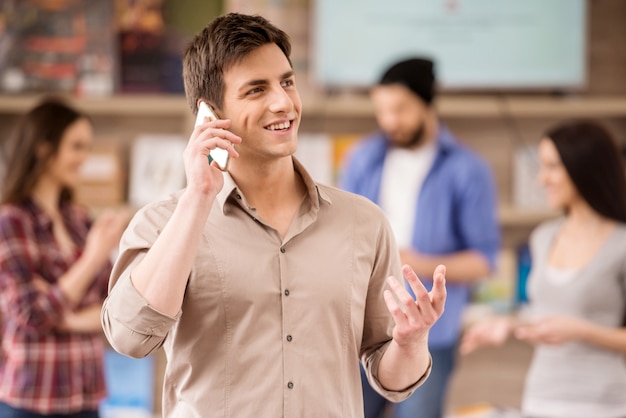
(488, 332)
(107, 230)
(228, 146)
(206, 138)
(106, 217)
(421, 294)
(437, 296)
(121, 221)
(475, 340)
(398, 315)
(469, 343)
(404, 298)
(438, 293)
(536, 333)
(220, 123)
(113, 220)
(215, 129)
(527, 332)
(40, 284)
(478, 335)
(425, 309)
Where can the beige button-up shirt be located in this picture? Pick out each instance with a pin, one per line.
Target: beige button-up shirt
(269, 327)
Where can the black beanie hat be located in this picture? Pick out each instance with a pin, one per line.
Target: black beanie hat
(417, 74)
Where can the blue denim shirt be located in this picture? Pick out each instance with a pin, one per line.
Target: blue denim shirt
(457, 211)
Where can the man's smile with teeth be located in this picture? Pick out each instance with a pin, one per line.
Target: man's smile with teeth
(278, 126)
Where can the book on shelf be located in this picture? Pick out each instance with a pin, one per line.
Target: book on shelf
(103, 177)
(156, 168)
(150, 50)
(527, 192)
(323, 155)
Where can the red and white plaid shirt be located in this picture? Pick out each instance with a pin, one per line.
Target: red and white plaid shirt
(42, 369)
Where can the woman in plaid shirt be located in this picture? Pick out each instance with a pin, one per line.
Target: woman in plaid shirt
(54, 268)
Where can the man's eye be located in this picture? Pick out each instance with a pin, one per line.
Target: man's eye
(287, 83)
(255, 90)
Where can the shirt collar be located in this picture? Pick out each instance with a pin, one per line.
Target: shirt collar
(229, 188)
(445, 140)
(315, 194)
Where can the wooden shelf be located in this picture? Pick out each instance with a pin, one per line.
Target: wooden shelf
(515, 217)
(569, 107)
(360, 106)
(351, 106)
(484, 106)
(119, 105)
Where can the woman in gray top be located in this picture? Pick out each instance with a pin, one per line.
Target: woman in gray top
(577, 285)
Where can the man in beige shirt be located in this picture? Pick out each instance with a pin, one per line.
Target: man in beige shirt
(263, 287)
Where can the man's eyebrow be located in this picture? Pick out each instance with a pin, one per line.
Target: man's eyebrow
(255, 83)
(260, 82)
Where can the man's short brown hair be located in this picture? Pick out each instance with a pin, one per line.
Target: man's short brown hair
(224, 42)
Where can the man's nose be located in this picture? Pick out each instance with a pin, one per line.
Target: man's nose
(281, 102)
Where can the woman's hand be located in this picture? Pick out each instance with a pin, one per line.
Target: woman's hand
(553, 330)
(488, 332)
(104, 235)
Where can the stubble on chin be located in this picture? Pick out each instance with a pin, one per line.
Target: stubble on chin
(412, 141)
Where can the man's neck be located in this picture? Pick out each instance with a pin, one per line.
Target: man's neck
(275, 190)
(431, 131)
(268, 185)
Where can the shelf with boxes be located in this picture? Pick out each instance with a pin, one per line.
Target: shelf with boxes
(486, 106)
(449, 106)
(133, 114)
(118, 105)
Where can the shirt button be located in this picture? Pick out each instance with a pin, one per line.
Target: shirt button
(286, 292)
(289, 338)
(238, 196)
(290, 385)
(282, 250)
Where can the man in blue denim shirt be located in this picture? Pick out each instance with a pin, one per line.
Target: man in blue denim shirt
(440, 199)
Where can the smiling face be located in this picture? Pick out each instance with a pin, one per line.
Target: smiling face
(553, 176)
(261, 100)
(64, 166)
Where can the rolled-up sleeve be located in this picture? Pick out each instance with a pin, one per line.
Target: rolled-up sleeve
(371, 370)
(133, 327)
(130, 324)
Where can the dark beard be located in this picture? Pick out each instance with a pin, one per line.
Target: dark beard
(415, 140)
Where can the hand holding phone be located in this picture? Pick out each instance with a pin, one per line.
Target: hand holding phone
(219, 155)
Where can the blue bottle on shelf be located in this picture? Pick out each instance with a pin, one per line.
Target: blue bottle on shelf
(523, 269)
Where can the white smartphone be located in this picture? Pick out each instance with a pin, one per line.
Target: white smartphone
(219, 155)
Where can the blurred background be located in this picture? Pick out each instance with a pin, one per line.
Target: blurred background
(507, 71)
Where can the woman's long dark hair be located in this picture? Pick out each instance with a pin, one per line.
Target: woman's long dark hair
(595, 164)
(46, 123)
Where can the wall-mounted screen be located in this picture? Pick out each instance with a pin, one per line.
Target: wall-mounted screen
(477, 44)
